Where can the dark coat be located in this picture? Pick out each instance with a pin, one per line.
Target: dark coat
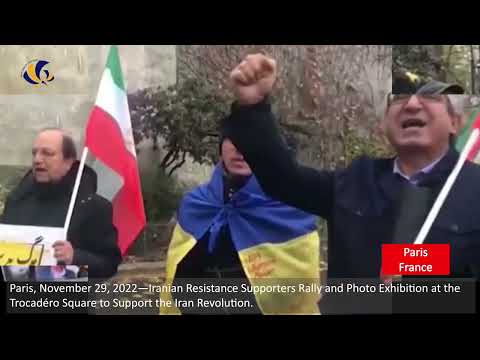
(364, 204)
(92, 233)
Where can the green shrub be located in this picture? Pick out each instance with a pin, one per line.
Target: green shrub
(9, 178)
(3, 196)
(161, 196)
(355, 146)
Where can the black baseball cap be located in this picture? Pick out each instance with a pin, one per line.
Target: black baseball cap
(405, 82)
(437, 87)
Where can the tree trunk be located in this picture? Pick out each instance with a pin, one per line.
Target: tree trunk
(436, 52)
(319, 88)
(472, 69)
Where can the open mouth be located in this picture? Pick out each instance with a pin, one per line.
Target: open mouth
(413, 123)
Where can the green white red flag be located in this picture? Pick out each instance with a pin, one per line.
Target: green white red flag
(109, 138)
(473, 122)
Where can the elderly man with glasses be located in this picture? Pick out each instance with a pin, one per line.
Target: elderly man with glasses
(373, 201)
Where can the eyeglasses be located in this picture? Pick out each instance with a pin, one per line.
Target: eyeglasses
(402, 99)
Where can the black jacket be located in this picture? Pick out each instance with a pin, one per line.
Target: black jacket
(92, 233)
(364, 204)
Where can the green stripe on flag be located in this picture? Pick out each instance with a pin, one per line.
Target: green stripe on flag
(463, 135)
(113, 63)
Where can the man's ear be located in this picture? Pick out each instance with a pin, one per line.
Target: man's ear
(69, 163)
(457, 123)
(381, 130)
(382, 125)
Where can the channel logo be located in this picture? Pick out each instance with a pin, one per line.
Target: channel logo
(35, 72)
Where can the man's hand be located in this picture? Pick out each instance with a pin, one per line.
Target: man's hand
(63, 251)
(253, 79)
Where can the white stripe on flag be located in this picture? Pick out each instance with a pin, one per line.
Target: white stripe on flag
(109, 182)
(476, 159)
(113, 101)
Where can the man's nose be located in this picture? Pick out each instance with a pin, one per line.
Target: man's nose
(37, 159)
(413, 104)
(238, 154)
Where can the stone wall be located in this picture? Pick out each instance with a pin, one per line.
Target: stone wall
(67, 100)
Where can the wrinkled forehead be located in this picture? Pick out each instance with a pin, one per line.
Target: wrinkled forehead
(49, 139)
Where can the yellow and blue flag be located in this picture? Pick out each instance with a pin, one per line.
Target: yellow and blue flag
(277, 244)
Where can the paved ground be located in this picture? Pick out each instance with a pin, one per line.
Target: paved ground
(134, 282)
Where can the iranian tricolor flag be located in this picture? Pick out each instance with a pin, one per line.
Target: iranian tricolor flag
(468, 144)
(109, 138)
(473, 122)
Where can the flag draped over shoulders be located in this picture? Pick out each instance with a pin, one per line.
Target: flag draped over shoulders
(277, 244)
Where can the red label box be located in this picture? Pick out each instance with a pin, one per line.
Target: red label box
(410, 259)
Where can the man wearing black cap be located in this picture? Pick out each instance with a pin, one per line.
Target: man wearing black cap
(365, 204)
(438, 87)
(405, 82)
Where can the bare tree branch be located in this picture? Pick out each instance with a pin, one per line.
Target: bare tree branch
(178, 165)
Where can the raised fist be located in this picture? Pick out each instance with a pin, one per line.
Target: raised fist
(253, 79)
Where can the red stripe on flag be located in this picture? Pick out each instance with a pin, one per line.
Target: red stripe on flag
(105, 141)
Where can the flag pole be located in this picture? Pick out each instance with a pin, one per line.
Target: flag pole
(447, 187)
(75, 192)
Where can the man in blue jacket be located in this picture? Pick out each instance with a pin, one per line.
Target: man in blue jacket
(373, 201)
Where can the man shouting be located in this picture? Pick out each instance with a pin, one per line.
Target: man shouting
(42, 199)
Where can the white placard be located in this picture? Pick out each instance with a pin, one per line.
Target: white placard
(45, 236)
